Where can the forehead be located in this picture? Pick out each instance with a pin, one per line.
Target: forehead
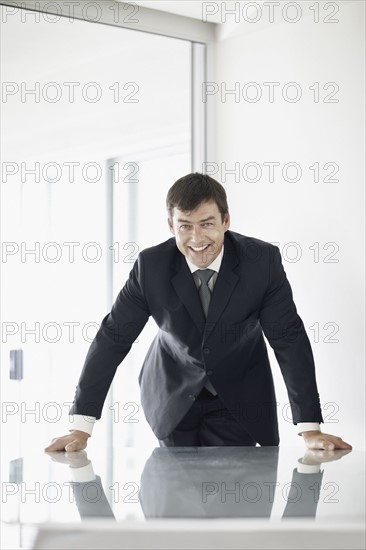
(203, 211)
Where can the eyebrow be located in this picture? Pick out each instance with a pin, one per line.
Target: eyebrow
(180, 220)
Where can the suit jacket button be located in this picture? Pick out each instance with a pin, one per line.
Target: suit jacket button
(206, 350)
(192, 397)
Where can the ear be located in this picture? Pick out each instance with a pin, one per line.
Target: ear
(226, 221)
(171, 226)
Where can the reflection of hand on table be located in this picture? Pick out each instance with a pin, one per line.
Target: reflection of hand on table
(313, 458)
(316, 456)
(81, 468)
(74, 460)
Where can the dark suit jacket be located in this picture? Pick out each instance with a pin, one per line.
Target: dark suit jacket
(251, 295)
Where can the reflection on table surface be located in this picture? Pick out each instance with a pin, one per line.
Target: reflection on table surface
(187, 482)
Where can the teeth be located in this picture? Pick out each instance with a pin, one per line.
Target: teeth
(199, 248)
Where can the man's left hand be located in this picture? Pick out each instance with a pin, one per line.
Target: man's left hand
(319, 440)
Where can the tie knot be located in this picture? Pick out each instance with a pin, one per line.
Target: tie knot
(204, 275)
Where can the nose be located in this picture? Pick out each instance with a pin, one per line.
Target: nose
(196, 235)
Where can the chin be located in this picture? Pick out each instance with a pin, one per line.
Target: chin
(199, 262)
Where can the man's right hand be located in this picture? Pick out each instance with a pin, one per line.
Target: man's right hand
(74, 441)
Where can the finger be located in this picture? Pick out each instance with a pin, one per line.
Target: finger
(73, 446)
(331, 445)
(57, 445)
(337, 441)
(325, 447)
(321, 444)
(343, 445)
(55, 439)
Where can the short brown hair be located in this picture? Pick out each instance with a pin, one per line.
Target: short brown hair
(191, 190)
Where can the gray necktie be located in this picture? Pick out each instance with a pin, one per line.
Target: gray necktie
(204, 276)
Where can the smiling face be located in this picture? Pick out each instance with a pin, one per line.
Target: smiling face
(199, 234)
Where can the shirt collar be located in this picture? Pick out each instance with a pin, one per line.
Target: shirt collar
(215, 265)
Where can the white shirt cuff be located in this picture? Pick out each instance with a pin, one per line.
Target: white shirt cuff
(307, 427)
(82, 423)
(307, 468)
(83, 474)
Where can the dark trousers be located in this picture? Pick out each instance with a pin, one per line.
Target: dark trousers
(208, 424)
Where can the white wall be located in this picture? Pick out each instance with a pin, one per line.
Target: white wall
(304, 212)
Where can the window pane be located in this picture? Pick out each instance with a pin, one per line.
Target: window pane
(79, 95)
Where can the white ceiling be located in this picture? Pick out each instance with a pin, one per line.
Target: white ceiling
(188, 8)
(193, 8)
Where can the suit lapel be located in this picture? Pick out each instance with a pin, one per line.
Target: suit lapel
(226, 282)
(186, 289)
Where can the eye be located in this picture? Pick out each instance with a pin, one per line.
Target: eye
(184, 227)
(207, 224)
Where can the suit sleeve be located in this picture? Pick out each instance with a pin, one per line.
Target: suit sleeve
(118, 330)
(286, 334)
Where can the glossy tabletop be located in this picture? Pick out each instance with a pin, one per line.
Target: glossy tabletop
(189, 497)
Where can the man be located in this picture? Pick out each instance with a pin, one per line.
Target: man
(206, 379)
